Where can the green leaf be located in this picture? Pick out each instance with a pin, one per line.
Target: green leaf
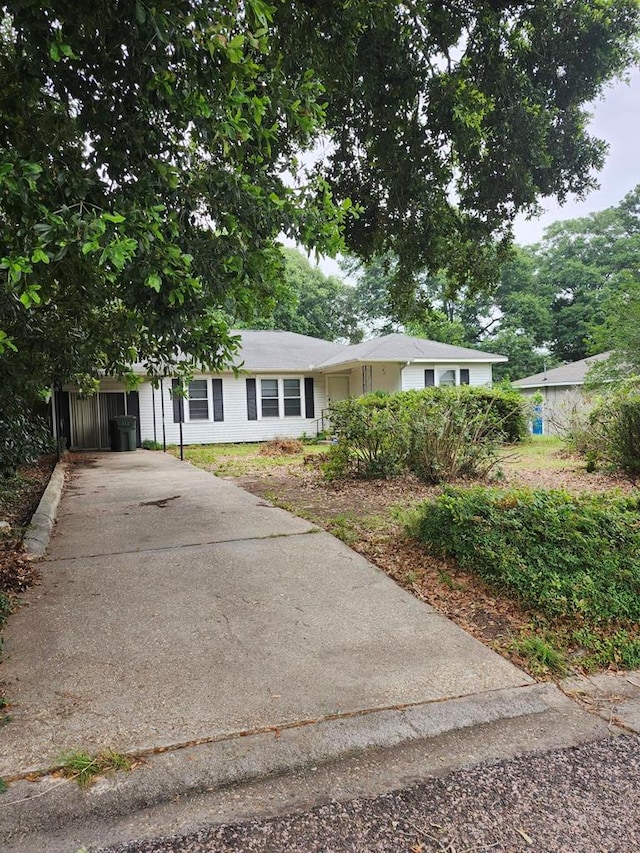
(30, 296)
(39, 255)
(154, 281)
(54, 52)
(113, 217)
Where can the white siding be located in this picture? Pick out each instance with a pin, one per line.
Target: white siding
(413, 374)
(236, 427)
(386, 377)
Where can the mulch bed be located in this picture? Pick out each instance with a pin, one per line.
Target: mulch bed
(18, 501)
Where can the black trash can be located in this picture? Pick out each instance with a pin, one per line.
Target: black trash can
(123, 432)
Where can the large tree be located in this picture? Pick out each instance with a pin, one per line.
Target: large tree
(310, 303)
(149, 155)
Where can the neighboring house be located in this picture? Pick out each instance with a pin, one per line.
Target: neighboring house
(560, 387)
(284, 385)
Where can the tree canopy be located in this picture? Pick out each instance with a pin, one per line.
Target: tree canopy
(573, 294)
(310, 303)
(150, 156)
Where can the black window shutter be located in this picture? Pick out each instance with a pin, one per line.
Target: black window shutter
(464, 375)
(429, 378)
(309, 407)
(252, 406)
(178, 402)
(218, 403)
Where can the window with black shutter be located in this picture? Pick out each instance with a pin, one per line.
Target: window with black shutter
(269, 398)
(198, 400)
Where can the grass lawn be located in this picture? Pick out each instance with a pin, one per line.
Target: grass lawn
(242, 460)
(371, 517)
(542, 452)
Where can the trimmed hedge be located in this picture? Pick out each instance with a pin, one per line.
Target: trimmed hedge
(560, 554)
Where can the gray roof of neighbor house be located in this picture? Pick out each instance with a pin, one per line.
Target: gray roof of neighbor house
(397, 347)
(568, 374)
(274, 350)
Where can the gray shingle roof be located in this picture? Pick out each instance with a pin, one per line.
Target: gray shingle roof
(397, 347)
(567, 374)
(273, 350)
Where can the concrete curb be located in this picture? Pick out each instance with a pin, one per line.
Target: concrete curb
(52, 804)
(36, 539)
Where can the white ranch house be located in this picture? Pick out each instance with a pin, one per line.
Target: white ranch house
(285, 385)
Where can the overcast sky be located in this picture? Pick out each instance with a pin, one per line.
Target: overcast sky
(616, 119)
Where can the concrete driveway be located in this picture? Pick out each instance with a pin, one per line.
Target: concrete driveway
(177, 610)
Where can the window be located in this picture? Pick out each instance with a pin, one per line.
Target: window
(429, 377)
(464, 375)
(447, 378)
(198, 400)
(292, 401)
(269, 398)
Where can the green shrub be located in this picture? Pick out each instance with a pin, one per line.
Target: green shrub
(448, 440)
(441, 433)
(562, 555)
(609, 432)
(372, 438)
(23, 435)
(621, 648)
(150, 444)
(505, 410)
(625, 434)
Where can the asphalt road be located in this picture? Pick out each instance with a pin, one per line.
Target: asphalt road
(580, 800)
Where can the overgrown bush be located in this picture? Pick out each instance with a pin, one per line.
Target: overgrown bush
(23, 435)
(505, 410)
(448, 441)
(372, 437)
(441, 433)
(561, 555)
(625, 434)
(608, 433)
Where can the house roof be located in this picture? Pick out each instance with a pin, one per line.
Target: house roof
(397, 347)
(274, 350)
(268, 350)
(567, 374)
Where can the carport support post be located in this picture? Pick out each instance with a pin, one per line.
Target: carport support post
(164, 432)
(153, 406)
(181, 445)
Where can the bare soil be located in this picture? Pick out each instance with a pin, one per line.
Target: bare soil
(365, 514)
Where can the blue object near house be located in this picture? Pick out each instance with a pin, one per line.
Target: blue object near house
(536, 424)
